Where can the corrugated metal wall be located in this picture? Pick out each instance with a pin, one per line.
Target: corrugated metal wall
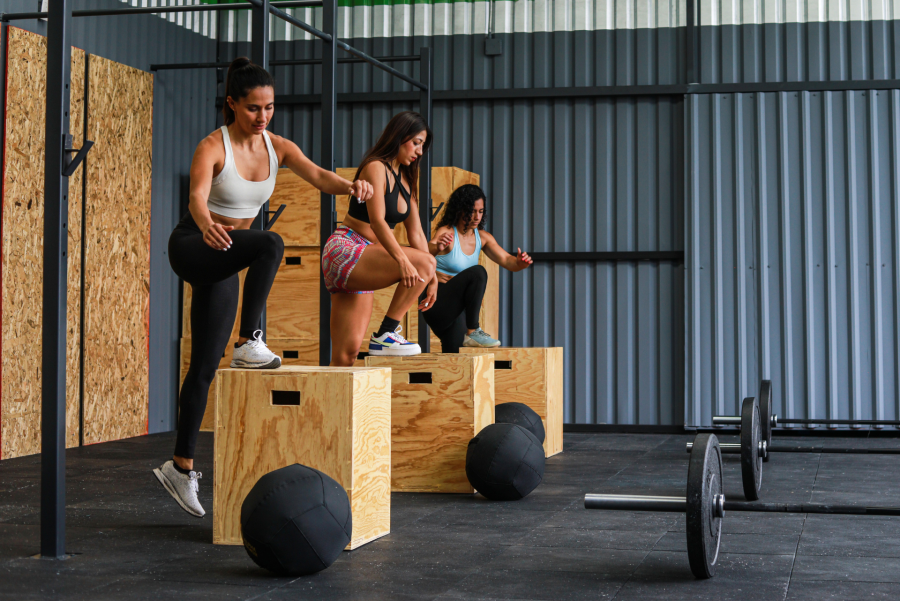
(183, 113)
(561, 175)
(793, 232)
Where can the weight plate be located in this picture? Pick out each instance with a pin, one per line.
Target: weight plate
(751, 462)
(704, 529)
(765, 412)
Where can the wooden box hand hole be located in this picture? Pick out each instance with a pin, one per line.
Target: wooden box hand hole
(286, 397)
(502, 364)
(293, 260)
(420, 377)
(291, 355)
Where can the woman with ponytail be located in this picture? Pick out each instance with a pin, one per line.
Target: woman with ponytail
(362, 255)
(232, 175)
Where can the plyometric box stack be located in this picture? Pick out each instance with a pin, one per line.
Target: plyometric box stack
(292, 311)
(107, 380)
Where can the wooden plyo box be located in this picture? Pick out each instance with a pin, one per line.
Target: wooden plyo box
(336, 420)
(533, 376)
(438, 404)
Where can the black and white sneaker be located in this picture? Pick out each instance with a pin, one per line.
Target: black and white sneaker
(182, 487)
(254, 354)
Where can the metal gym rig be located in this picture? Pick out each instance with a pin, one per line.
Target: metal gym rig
(59, 165)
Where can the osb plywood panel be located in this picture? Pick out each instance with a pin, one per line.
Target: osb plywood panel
(22, 247)
(186, 308)
(532, 376)
(341, 427)
(432, 423)
(117, 252)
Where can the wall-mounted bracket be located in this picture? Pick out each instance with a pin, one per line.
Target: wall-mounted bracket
(436, 210)
(270, 221)
(71, 164)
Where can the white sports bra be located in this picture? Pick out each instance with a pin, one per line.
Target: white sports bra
(231, 195)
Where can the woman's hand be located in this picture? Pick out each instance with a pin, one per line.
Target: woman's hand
(443, 241)
(361, 190)
(522, 260)
(409, 277)
(216, 236)
(430, 295)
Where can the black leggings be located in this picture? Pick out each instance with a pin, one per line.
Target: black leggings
(457, 306)
(213, 276)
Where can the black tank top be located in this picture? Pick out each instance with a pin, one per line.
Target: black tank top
(359, 210)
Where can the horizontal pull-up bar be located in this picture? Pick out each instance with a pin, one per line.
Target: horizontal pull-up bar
(143, 10)
(281, 63)
(375, 63)
(295, 22)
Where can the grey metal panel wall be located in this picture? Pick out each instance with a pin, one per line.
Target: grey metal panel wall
(815, 51)
(793, 246)
(183, 113)
(561, 175)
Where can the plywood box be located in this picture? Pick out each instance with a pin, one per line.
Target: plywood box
(438, 404)
(340, 424)
(533, 376)
(292, 309)
(292, 352)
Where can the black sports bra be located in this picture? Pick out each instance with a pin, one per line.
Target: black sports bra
(359, 210)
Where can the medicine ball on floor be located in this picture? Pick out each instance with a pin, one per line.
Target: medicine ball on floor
(296, 521)
(505, 462)
(520, 414)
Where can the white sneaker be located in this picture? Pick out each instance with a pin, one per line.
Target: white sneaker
(183, 488)
(254, 354)
(393, 344)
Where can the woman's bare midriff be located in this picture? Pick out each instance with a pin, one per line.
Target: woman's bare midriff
(238, 224)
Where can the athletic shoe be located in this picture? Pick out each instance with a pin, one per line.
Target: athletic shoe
(183, 488)
(393, 344)
(254, 354)
(480, 339)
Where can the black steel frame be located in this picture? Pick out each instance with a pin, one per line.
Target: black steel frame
(59, 166)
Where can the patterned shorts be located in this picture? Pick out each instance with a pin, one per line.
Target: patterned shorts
(342, 251)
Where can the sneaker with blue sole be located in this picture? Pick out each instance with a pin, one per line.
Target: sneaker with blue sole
(392, 344)
(480, 339)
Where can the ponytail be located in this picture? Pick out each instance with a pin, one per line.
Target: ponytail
(243, 76)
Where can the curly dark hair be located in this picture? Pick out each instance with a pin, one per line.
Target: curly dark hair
(461, 205)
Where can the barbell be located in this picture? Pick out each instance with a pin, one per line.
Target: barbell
(771, 420)
(705, 505)
(754, 449)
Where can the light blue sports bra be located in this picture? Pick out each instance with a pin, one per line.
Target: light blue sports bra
(456, 260)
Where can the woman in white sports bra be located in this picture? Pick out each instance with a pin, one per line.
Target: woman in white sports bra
(233, 173)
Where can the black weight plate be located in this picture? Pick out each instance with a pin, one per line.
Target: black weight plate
(704, 529)
(751, 462)
(765, 412)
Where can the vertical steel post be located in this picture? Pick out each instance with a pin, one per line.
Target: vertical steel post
(327, 217)
(690, 54)
(259, 54)
(56, 214)
(426, 77)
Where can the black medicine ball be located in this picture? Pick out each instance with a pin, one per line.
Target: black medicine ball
(520, 414)
(296, 521)
(505, 462)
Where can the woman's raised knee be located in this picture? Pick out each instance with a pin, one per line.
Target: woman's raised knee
(273, 243)
(425, 265)
(477, 272)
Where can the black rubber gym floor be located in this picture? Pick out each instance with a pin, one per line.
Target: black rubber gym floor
(129, 540)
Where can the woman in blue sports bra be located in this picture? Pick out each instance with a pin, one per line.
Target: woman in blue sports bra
(457, 243)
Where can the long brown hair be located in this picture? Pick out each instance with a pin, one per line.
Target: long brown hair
(243, 77)
(399, 130)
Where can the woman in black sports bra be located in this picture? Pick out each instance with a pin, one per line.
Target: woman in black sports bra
(362, 255)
